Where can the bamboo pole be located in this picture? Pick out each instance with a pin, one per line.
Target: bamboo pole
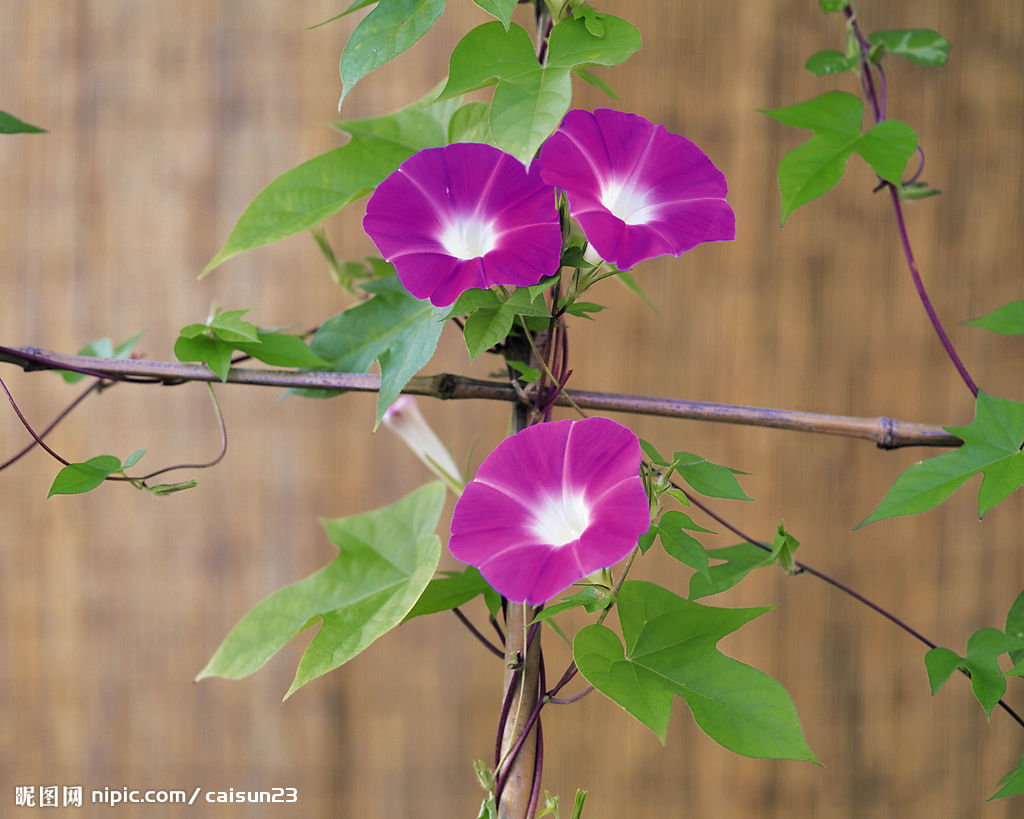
(887, 433)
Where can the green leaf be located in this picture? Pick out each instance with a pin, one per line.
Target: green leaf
(387, 31)
(306, 195)
(492, 321)
(940, 663)
(981, 662)
(485, 328)
(488, 808)
(474, 298)
(782, 550)
(444, 593)
(534, 290)
(10, 124)
(684, 521)
(281, 350)
(229, 326)
(670, 650)
(1013, 782)
(1015, 625)
(646, 540)
(829, 6)
(590, 597)
(708, 478)
(652, 453)
(739, 561)
(526, 301)
(591, 18)
(471, 123)
(919, 45)
(811, 169)
(679, 495)
(887, 148)
(424, 124)
(394, 328)
(194, 331)
(385, 560)
(487, 55)
(678, 544)
(598, 83)
(526, 374)
(102, 348)
(573, 42)
(216, 354)
(356, 5)
(634, 288)
(583, 309)
(133, 459)
(502, 9)
(1007, 320)
(530, 99)
(992, 446)
(829, 61)
(74, 479)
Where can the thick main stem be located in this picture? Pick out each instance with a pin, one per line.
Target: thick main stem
(522, 655)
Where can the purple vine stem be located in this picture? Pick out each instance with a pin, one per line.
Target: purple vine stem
(878, 108)
(506, 705)
(538, 756)
(802, 568)
(538, 767)
(923, 294)
(60, 417)
(476, 633)
(37, 438)
(24, 422)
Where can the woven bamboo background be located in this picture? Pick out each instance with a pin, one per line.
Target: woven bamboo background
(165, 119)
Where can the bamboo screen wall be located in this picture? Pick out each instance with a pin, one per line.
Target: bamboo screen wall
(165, 119)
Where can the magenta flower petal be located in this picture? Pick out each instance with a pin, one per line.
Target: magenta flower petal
(551, 505)
(464, 216)
(637, 190)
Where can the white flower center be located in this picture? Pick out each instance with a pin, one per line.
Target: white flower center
(624, 200)
(561, 519)
(469, 237)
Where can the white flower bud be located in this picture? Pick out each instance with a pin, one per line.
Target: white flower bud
(405, 420)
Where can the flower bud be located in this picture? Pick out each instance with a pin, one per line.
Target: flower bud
(405, 420)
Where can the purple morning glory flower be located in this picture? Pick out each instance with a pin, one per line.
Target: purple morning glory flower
(464, 216)
(636, 190)
(551, 505)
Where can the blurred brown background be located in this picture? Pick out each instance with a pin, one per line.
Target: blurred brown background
(166, 119)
